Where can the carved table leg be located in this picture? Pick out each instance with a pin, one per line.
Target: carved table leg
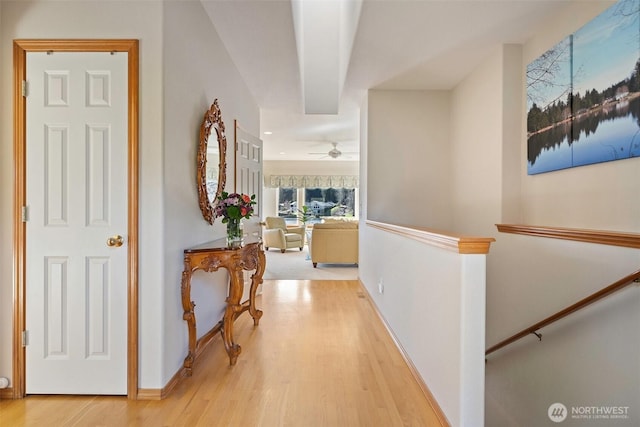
(236, 286)
(256, 280)
(190, 317)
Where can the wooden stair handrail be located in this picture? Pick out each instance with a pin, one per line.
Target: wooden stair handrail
(602, 237)
(444, 240)
(616, 286)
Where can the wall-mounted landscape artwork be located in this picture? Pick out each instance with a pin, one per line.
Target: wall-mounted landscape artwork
(583, 94)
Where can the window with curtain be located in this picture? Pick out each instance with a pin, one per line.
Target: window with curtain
(325, 195)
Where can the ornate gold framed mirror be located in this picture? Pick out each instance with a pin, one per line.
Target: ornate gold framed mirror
(211, 161)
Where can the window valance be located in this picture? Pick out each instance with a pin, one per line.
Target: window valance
(311, 181)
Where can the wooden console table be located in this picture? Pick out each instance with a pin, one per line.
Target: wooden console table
(210, 257)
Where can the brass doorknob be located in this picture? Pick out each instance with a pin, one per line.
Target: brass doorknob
(116, 241)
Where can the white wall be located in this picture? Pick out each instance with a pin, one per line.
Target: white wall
(364, 158)
(476, 142)
(197, 70)
(310, 167)
(512, 151)
(600, 196)
(409, 158)
(527, 278)
(433, 300)
(488, 139)
(592, 357)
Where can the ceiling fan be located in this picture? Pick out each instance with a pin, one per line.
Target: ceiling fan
(334, 153)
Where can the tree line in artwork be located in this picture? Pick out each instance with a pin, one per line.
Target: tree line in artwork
(576, 104)
(571, 132)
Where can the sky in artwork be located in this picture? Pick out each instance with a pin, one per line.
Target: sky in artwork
(605, 52)
(546, 94)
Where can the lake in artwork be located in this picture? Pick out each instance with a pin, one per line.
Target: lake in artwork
(599, 136)
(583, 94)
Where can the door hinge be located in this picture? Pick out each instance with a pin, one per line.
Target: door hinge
(24, 88)
(25, 214)
(25, 338)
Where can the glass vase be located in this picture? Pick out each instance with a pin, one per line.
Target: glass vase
(234, 233)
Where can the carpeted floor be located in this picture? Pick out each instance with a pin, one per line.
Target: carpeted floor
(294, 265)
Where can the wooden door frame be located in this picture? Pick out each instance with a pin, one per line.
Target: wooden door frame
(20, 50)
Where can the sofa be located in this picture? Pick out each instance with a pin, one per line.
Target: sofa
(334, 242)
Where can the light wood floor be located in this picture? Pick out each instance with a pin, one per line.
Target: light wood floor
(320, 357)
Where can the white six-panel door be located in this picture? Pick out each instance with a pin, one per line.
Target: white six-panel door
(248, 163)
(249, 166)
(76, 284)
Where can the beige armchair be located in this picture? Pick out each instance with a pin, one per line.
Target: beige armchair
(278, 235)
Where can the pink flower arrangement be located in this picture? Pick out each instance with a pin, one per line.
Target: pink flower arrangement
(234, 206)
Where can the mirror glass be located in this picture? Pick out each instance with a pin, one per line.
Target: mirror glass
(213, 168)
(211, 163)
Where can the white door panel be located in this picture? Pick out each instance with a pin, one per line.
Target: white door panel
(249, 166)
(248, 161)
(76, 285)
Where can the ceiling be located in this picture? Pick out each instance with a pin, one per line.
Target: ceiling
(399, 45)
